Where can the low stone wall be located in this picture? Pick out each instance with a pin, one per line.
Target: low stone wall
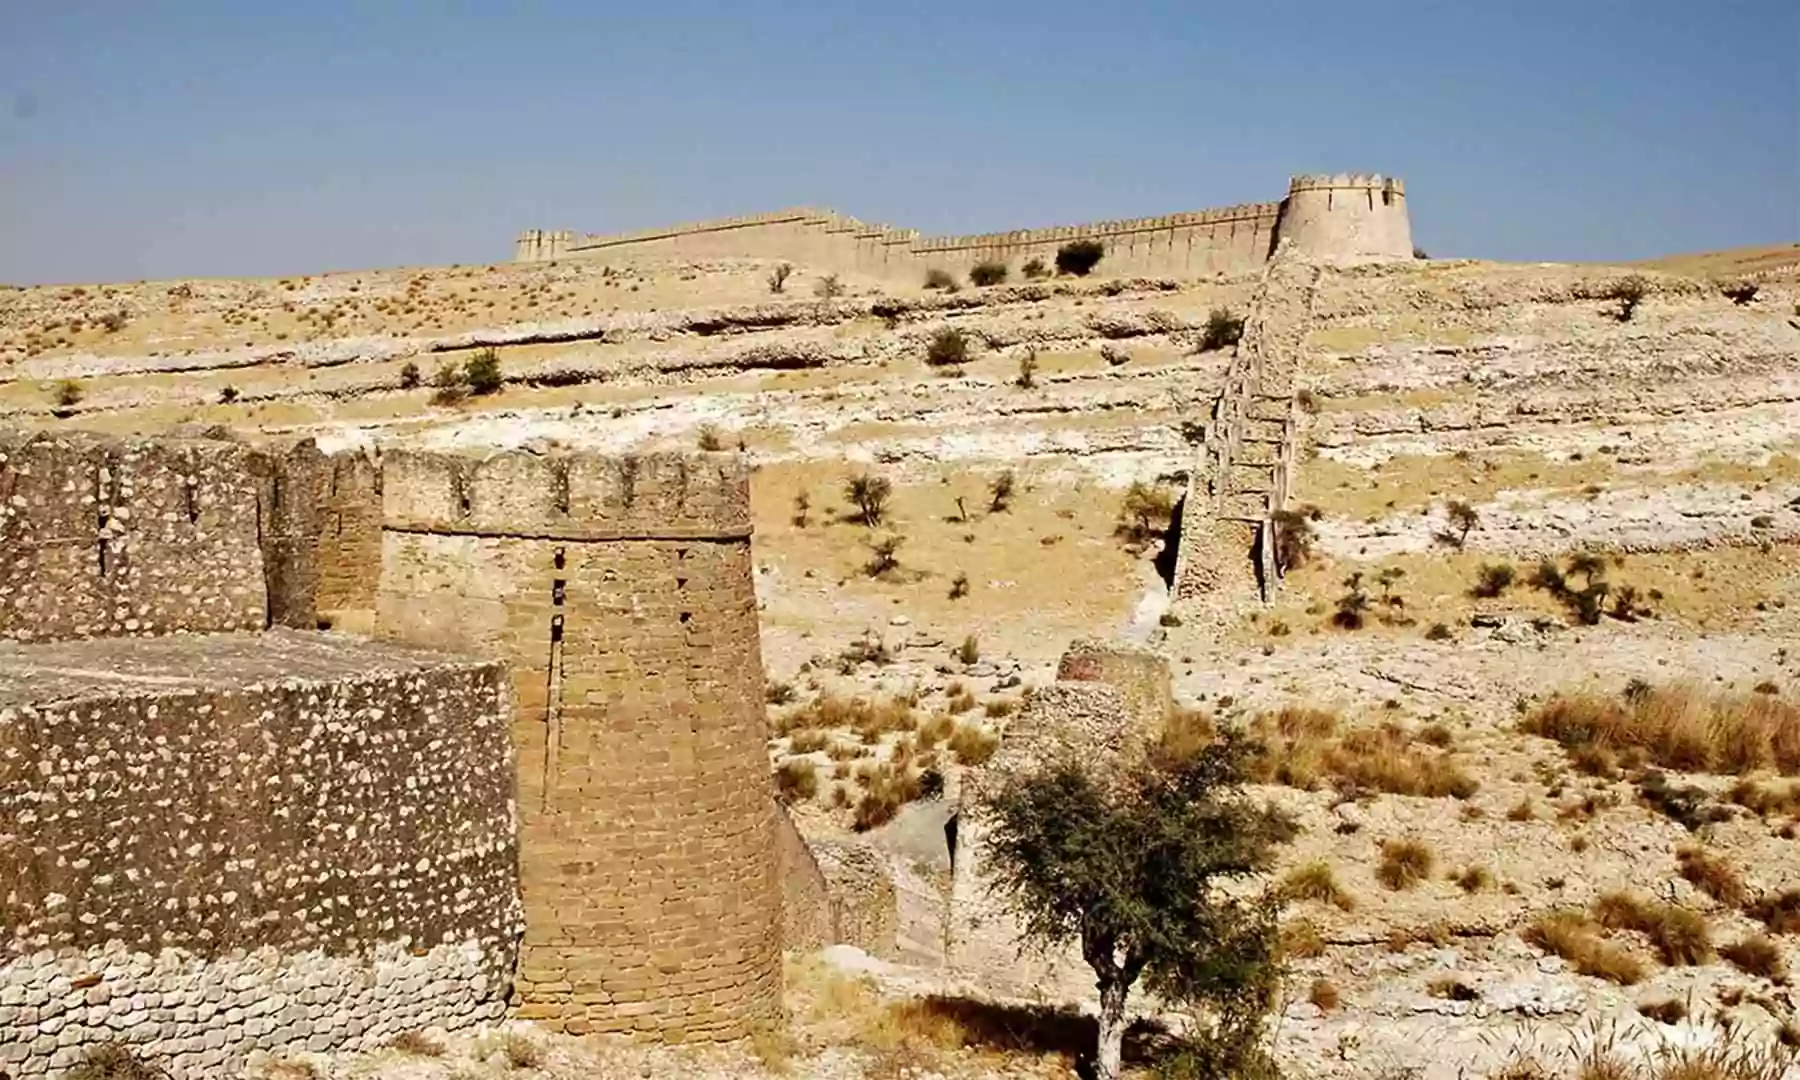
(214, 844)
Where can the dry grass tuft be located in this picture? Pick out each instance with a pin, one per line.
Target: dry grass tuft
(797, 779)
(1474, 879)
(1779, 911)
(1405, 863)
(973, 744)
(1755, 954)
(415, 1043)
(1324, 994)
(1300, 747)
(521, 1052)
(1712, 875)
(113, 1061)
(869, 717)
(1451, 988)
(1668, 1011)
(1676, 727)
(1766, 799)
(1316, 882)
(1680, 934)
(1577, 939)
(1300, 940)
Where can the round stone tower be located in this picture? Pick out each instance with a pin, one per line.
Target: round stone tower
(620, 591)
(1346, 216)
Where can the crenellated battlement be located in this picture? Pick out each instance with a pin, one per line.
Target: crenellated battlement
(1230, 239)
(573, 496)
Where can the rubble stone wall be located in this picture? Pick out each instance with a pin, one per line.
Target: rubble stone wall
(212, 844)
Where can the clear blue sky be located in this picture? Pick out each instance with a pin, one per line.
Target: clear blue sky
(144, 139)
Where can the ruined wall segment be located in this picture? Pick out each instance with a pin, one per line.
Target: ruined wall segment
(619, 591)
(211, 844)
(1343, 216)
(102, 537)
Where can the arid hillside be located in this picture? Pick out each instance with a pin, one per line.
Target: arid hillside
(1530, 682)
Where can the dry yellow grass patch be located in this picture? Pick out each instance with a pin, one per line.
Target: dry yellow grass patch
(1712, 875)
(1680, 727)
(1301, 747)
(1315, 881)
(1578, 939)
(1405, 863)
(1679, 934)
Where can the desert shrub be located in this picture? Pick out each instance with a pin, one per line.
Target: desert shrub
(416, 1043)
(1451, 988)
(1492, 580)
(1353, 606)
(112, 1061)
(1711, 874)
(409, 376)
(886, 790)
(449, 384)
(483, 372)
(710, 438)
(1315, 881)
(1079, 257)
(1577, 939)
(1680, 934)
(1300, 940)
(959, 586)
(66, 394)
(113, 321)
(1438, 632)
(1028, 365)
(797, 779)
(1629, 292)
(1779, 911)
(1000, 707)
(869, 717)
(1765, 799)
(948, 347)
(778, 277)
(939, 279)
(1294, 538)
(884, 555)
(1035, 269)
(1000, 492)
(962, 700)
(1678, 728)
(1463, 520)
(1324, 994)
(1222, 330)
(869, 494)
(227, 394)
(1740, 292)
(828, 287)
(1132, 870)
(1667, 1011)
(808, 741)
(1145, 513)
(987, 273)
(1420, 253)
(973, 744)
(1474, 879)
(778, 693)
(969, 652)
(1404, 863)
(1688, 805)
(1755, 954)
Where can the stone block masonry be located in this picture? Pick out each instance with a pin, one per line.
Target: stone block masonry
(103, 537)
(1323, 217)
(211, 844)
(619, 592)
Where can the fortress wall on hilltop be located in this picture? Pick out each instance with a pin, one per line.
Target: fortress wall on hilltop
(619, 590)
(1348, 215)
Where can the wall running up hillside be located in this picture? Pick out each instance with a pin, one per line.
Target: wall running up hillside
(1344, 216)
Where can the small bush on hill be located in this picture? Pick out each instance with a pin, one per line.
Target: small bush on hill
(1679, 934)
(1677, 728)
(1034, 268)
(483, 372)
(409, 376)
(1223, 330)
(884, 557)
(1000, 492)
(66, 394)
(1294, 537)
(1492, 580)
(948, 346)
(1079, 257)
(869, 494)
(1404, 863)
(828, 287)
(987, 273)
(778, 277)
(939, 279)
(113, 1061)
(1145, 514)
(1577, 939)
(1629, 293)
(797, 780)
(1315, 881)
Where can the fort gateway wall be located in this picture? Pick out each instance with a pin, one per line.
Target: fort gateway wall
(1348, 215)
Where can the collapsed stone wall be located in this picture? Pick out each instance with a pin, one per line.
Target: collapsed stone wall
(211, 844)
(1107, 706)
(1349, 215)
(619, 592)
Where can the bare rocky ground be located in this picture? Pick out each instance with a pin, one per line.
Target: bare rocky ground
(1668, 442)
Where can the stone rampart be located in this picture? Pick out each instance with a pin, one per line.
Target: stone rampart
(1351, 215)
(619, 591)
(211, 844)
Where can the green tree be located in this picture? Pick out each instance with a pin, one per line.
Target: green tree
(483, 372)
(1131, 868)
